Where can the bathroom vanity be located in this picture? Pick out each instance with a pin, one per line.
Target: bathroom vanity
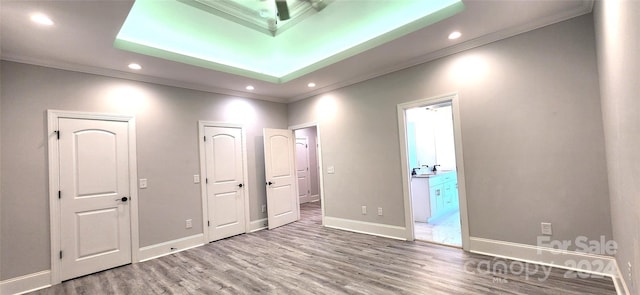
(434, 195)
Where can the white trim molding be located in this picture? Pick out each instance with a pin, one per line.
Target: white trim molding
(171, 247)
(404, 151)
(258, 225)
(314, 198)
(601, 265)
(619, 282)
(26, 283)
(319, 159)
(369, 228)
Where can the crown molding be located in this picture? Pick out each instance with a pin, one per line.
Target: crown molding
(137, 77)
(586, 8)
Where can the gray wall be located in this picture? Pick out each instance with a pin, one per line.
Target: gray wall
(532, 136)
(312, 134)
(618, 40)
(167, 152)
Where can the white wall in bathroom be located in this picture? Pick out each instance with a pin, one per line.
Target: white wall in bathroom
(433, 137)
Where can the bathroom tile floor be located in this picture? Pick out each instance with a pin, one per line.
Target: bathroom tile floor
(446, 230)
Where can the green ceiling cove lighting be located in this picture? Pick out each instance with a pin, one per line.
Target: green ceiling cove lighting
(181, 32)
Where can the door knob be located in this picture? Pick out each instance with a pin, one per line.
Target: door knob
(124, 199)
(240, 185)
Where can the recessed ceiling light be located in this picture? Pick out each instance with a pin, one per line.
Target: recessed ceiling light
(41, 19)
(454, 35)
(135, 66)
(249, 87)
(311, 85)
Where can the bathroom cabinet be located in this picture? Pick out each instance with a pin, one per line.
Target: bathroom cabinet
(434, 195)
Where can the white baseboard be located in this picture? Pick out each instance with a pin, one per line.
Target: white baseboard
(26, 283)
(170, 247)
(370, 228)
(545, 256)
(257, 225)
(620, 283)
(309, 198)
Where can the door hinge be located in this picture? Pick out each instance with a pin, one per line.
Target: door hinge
(208, 223)
(60, 254)
(206, 180)
(57, 134)
(306, 145)
(205, 138)
(59, 194)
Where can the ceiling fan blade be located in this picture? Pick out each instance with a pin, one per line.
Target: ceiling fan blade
(283, 9)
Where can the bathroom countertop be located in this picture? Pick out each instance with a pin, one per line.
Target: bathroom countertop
(432, 174)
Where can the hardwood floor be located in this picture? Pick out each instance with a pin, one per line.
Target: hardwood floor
(305, 258)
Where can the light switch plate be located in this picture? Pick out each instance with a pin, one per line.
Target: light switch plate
(196, 178)
(331, 170)
(143, 183)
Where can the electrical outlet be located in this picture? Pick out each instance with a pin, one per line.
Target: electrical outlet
(189, 223)
(364, 210)
(546, 228)
(196, 178)
(331, 170)
(264, 208)
(379, 211)
(143, 183)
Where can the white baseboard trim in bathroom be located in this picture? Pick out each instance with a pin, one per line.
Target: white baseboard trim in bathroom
(314, 198)
(570, 260)
(170, 247)
(26, 283)
(257, 225)
(370, 228)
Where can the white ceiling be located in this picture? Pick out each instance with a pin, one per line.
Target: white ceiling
(84, 31)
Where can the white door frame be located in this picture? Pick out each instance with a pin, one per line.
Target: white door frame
(319, 159)
(406, 178)
(203, 171)
(54, 181)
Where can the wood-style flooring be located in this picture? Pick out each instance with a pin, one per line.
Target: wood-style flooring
(306, 258)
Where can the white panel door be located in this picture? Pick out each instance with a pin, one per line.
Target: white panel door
(302, 169)
(95, 221)
(282, 195)
(224, 182)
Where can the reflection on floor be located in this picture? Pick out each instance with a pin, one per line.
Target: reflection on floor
(445, 230)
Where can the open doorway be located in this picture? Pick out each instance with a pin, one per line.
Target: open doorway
(308, 171)
(434, 187)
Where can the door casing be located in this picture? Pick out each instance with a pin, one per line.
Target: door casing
(406, 178)
(319, 159)
(203, 171)
(54, 169)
